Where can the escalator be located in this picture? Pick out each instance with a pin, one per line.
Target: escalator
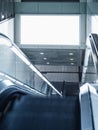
(23, 111)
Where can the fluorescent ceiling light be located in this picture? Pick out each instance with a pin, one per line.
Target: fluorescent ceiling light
(71, 59)
(41, 53)
(2, 16)
(70, 53)
(47, 63)
(45, 58)
(72, 63)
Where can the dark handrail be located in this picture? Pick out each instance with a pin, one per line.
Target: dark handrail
(90, 100)
(94, 49)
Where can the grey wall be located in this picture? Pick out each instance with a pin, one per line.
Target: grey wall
(60, 73)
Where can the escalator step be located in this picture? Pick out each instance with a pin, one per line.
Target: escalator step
(33, 113)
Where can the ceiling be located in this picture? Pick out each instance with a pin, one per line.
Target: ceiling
(57, 57)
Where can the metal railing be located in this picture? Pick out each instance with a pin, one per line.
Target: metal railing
(5, 40)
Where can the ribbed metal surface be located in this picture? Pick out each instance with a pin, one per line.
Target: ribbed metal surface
(43, 114)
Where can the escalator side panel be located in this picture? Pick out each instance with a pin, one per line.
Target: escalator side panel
(85, 108)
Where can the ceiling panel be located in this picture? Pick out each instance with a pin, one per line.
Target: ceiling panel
(58, 57)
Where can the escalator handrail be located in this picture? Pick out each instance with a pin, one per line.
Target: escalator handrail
(8, 95)
(87, 89)
(93, 125)
(93, 43)
(11, 45)
(94, 49)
